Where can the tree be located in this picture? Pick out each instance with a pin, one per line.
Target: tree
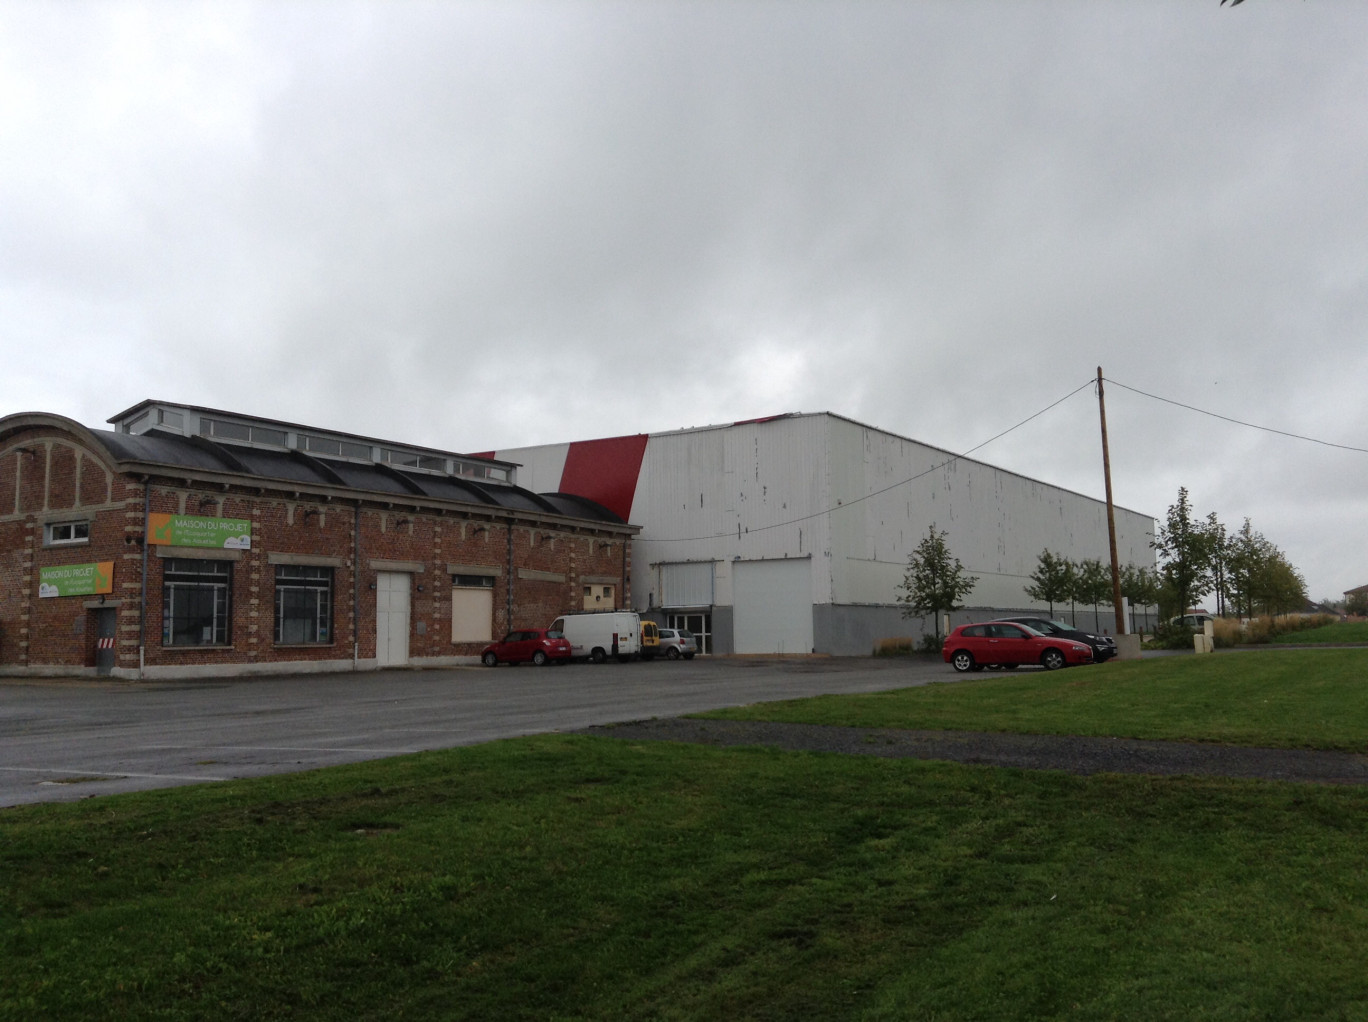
(1245, 557)
(1281, 586)
(1140, 586)
(1357, 604)
(1052, 580)
(935, 581)
(1259, 576)
(1093, 584)
(1220, 552)
(1186, 543)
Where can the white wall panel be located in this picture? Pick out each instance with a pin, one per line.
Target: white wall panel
(772, 612)
(539, 468)
(892, 490)
(852, 501)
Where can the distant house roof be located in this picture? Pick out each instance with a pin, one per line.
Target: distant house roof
(1354, 592)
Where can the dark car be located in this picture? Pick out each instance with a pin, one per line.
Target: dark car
(1103, 646)
(1008, 645)
(540, 645)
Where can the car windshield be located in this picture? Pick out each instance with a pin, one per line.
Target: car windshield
(684, 634)
(553, 634)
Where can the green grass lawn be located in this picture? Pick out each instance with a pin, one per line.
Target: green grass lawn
(1281, 698)
(569, 877)
(1340, 631)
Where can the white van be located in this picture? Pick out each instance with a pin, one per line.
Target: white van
(600, 635)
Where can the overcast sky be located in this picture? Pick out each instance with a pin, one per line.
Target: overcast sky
(476, 226)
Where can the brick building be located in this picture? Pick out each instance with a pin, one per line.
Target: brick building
(194, 542)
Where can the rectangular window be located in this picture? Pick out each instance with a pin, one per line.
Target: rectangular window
(196, 598)
(224, 430)
(303, 604)
(66, 533)
(333, 447)
(411, 459)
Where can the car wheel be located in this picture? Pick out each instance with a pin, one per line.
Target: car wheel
(1052, 660)
(598, 656)
(539, 658)
(963, 661)
(672, 653)
(490, 660)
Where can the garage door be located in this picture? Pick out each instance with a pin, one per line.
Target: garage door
(772, 610)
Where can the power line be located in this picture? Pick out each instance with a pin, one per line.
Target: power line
(1238, 422)
(934, 468)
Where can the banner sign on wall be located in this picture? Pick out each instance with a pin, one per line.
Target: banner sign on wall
(76, 579)
(196, 531)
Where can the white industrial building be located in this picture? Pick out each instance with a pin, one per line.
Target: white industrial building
(791, 534)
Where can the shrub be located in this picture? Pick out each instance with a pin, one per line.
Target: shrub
(900, 646)
(1227, 632)
(1264, 629)
(1170, 636)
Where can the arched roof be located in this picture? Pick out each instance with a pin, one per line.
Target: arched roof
(173, 453)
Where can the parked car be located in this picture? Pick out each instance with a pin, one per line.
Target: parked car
(678, 642)
(1008, 645)
(1194, 621)
(1103, 646)
(650, 639)
(540, 645)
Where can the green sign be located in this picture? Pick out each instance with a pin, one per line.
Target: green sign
(76, 579)
(194, 530)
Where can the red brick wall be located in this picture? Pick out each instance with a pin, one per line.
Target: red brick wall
(58, 631)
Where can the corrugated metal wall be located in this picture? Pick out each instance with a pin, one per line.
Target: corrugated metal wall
(854, 499)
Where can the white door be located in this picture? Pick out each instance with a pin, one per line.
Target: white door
(772, 610)
(391, 618)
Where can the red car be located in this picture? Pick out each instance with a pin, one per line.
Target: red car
(1004, 644)
(540, 645)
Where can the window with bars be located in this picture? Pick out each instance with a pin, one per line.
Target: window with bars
(303, 604)
(196, 601)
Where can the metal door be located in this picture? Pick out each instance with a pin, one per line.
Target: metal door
(106, 624)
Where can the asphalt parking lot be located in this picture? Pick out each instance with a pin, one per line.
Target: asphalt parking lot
(67, 740)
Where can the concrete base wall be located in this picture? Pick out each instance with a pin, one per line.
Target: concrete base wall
(1128, 647)
(840, 630)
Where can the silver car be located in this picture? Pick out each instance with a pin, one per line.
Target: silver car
(678, 642)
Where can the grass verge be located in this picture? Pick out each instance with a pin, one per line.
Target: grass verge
(588, 878)
(1340, 631)
(1314, 699)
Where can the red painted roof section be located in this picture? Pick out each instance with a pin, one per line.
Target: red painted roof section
(605, 471)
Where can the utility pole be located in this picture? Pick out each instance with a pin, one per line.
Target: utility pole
(1111, 511)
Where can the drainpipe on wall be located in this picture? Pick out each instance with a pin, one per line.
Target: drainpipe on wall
(508, 610)
(356, 589)
(142, 596)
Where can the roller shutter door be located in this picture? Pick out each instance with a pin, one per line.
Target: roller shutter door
(772, 610)
(686, 585)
